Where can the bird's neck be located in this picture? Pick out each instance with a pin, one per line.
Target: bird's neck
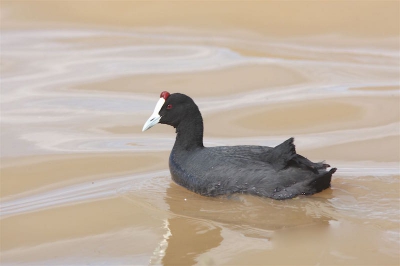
(190, 134)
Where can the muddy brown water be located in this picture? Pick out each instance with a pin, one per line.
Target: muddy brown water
(82, 185)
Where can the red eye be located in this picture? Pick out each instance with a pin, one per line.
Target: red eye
(169, 106)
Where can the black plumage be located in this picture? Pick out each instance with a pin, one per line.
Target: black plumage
(274, 172)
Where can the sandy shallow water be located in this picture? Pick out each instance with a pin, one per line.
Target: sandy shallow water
(82, 185)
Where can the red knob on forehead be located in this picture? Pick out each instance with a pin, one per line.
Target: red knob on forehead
(165, 95)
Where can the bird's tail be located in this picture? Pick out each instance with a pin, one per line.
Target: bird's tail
(323, 181)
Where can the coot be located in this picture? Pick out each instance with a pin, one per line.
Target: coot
(273, 172)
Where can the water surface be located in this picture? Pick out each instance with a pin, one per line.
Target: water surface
(81, 184)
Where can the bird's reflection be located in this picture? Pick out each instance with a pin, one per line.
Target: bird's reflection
(190, 237)
(196, 222)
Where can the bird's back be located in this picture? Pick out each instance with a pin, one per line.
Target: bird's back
(277, 172)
